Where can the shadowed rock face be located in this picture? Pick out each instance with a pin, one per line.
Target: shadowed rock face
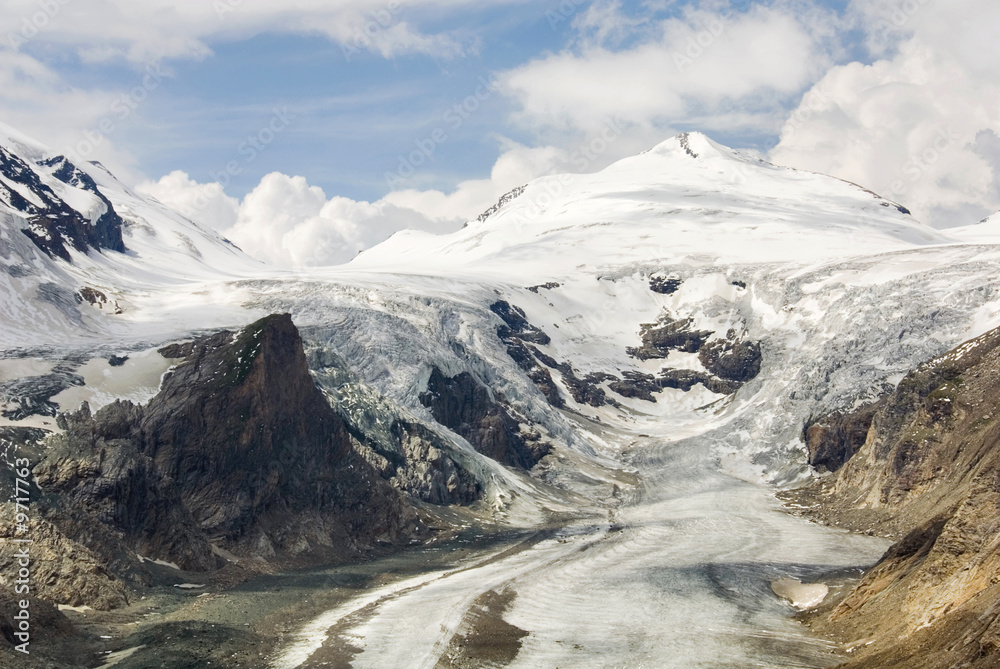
(239, 449)
(253, 445)
(54, 225)
(464, 405)
(927, 473)
(835, 438)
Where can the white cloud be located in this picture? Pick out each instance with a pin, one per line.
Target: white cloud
(919, 126)
(39, 103)
(206, 203)
(285, 221)
(153, 30)
(69, 118)
(693, 67)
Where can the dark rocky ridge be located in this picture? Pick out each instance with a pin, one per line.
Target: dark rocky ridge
(466, 406)
(834, 439)
(240, 450)
(664, 285)
(54, 225)
(262, 460)
(666, 335)
(928, 474)
(729, 363)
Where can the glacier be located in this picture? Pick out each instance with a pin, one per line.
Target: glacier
(654, 529)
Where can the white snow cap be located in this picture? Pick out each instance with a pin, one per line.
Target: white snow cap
(686, 198)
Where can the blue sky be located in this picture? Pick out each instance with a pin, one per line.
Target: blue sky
(354, 111)
(856, 88)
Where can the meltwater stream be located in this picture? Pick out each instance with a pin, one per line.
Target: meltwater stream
(677, 576)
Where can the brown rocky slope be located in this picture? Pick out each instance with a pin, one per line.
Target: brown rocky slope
(925, 472)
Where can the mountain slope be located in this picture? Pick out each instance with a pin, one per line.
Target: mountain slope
(926, 472)
(76, 245)
(682, 311)
(684, 200)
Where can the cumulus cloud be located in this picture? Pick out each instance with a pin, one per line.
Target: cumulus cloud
(288, 222)
(921, 124)
(701, 65)
(146, 35)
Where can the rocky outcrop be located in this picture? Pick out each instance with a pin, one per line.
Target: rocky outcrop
(516, 325)
(835, 438)
(239, 450)
(97, 472)
(467, 407)
(729, 362)
(54, 226)
(928, 474)
(262, 462)
(527, 358)
(664, 285)
(666, 335)
(418, 464)
(732, 359)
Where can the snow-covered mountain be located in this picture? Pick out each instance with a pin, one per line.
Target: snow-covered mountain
(689, 276)
(685, 200)
(77, 245)
(586, 356)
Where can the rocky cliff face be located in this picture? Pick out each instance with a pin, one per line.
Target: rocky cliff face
(262, 461)
(927, 472)
(467, 407)
(54, 226)
(239, 450)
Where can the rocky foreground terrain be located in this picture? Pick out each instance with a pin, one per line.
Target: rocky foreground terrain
(239, 459)
(922, 465)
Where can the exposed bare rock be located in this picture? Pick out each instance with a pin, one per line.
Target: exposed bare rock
(261, 459)
(551, 285)
(638, 385)
(54, 642)
(666, 335)
(55, 227)
(464, 405)
(835, 438)
(516, 324)
(732, 359)
(664, 285)
(928, 473)
(239, 450)
(433, 476)
(527, 358)
(63, 571)
(98, 473)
